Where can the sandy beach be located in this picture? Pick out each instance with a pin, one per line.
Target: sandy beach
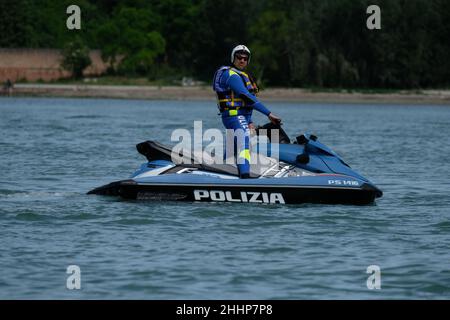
(206, 93)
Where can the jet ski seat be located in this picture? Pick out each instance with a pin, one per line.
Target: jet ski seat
(153, 150)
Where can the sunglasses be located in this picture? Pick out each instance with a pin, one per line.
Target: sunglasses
(239, 57)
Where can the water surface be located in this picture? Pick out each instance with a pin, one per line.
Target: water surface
(52, 151)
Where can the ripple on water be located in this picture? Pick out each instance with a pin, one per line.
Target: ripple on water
(87, 116)
(443, 226)
(33, 216)
(133, 222)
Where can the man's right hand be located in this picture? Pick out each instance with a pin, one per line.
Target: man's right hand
(274, 119)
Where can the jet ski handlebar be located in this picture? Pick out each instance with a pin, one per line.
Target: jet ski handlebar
(283, 137)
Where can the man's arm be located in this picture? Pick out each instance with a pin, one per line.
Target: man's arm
(235, 83)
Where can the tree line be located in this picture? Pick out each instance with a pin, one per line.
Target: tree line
(300, 43)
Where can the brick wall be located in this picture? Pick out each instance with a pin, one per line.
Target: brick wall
(41, 64)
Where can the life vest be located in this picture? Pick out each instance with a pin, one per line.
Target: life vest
(226, 98)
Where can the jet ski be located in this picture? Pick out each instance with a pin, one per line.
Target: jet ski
(305, 171)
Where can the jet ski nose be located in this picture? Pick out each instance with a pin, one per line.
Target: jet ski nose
(379, 193)
(370, 187)
(113, 188)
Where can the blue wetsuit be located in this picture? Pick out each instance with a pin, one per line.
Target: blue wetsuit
(237, 100)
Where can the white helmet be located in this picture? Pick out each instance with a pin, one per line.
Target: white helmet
(239, 48)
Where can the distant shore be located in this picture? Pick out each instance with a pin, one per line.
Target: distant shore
(206, 93)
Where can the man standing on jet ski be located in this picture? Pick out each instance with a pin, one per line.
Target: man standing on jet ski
(236, 94)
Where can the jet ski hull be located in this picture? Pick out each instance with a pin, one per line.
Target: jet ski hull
(281, 194)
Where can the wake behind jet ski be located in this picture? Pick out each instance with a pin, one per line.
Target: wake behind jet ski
(306, 171)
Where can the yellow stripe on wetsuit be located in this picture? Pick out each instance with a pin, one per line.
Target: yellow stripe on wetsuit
(245, 154)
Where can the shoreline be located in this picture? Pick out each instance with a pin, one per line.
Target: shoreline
(206, 93)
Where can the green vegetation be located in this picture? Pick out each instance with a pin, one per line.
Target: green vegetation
(302, 43)
(76, 57)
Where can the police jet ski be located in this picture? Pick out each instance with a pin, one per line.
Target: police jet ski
(306, 171)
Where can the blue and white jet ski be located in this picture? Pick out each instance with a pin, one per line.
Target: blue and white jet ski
(306, 171)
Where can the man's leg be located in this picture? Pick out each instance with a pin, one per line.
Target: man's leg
(242, 142)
